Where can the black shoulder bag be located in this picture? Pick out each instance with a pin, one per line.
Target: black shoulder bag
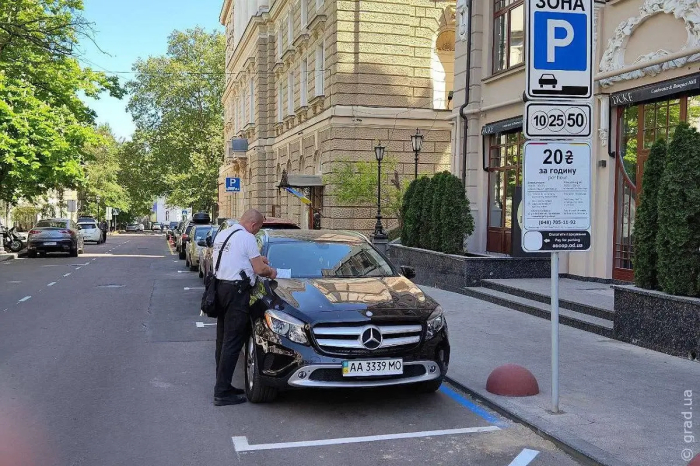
(209, 296)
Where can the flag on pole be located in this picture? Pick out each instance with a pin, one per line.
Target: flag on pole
(300, 195)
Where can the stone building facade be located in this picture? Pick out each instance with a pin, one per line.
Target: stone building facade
(646, 72)
(311, 83)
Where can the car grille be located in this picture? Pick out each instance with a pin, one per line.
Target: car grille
(346, 339)
(336, 375)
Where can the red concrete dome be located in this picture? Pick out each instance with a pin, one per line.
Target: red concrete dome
(512, 380)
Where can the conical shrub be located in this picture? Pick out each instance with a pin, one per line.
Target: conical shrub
(456, 220)
(406, 212)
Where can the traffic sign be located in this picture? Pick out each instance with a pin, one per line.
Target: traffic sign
(560, 44)
(557, 120)
(556, 196)
(233, 185)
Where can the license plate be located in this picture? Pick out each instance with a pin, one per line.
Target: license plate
(369, 367)
(50, 243)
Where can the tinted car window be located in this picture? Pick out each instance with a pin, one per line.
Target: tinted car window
(87, 226)
(173, 224)
(201, 232)
(189, 229)
(319, 259)
(51, 224)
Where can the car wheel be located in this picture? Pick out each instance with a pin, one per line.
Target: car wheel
(429, 387)
(74, 252)
(201, 274)
(31, 254)
(193, 268)
(182, 255)
(254, 389)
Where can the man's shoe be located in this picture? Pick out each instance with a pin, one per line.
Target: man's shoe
(229, 400)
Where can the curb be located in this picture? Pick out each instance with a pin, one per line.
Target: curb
(7, 257)
(574, 446)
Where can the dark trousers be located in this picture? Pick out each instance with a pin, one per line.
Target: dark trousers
(232, 327)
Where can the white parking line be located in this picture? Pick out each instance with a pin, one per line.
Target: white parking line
(51, 284)
(14, 281)
(26, 298)
(240, 444)
(524, 458)
(78, 268)
(188, 288)
(202, 324)
(66, 274)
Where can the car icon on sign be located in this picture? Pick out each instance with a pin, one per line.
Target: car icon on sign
(548, 80)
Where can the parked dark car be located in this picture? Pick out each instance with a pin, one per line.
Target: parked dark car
(346, 318)
(170, 232)
(183, 237)
(55, 235)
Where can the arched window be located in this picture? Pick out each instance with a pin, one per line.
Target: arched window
(442, 68)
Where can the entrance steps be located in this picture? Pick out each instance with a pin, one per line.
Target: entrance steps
(585, 305)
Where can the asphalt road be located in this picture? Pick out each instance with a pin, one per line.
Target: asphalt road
(104, 360)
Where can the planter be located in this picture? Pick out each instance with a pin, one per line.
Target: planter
(658, 321)
(453, 272)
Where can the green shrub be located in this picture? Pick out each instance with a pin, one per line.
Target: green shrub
(426, 203)
(456, 221)
(407, 237)
(646, 221)
(394, 233)
(438, 194)
(678, 237)
(414, 211)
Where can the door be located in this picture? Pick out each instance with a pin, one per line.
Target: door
(505, 154)
(315, 217)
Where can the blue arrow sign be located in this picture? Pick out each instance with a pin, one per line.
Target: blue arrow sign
(233, 185)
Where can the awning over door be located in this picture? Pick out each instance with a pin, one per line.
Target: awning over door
(300, 181)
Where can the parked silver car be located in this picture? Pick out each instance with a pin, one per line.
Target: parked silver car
(55, 235)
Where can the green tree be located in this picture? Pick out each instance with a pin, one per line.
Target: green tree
(406, 226)
(414, 211)
(438, 193)
(426, 203)
(646, 222)
(678, 237)
(456, 221)
(44, 126)
(176, 103)
(355, 183)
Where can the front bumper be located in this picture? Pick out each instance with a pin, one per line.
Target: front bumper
(286, 364)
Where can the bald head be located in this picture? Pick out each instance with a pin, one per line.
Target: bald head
(252, 220)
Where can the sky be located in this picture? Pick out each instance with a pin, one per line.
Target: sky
(126, 30)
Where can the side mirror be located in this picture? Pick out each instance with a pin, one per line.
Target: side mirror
(208, 242)
(408, 272)
(201, 243)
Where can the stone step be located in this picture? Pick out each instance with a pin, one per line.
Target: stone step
(566, 316)
(581, 308)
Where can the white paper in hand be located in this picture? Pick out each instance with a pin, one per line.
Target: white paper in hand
(284, 273)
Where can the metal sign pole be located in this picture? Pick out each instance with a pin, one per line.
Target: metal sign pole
(555, 332)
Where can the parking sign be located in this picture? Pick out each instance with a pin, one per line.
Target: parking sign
(233, 185)
(559, 49)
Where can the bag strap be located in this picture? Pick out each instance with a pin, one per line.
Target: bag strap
(221, 251)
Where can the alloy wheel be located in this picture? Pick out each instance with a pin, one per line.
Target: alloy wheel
(250, 362)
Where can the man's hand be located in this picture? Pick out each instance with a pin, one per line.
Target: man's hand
(267, 262)
(261, 267)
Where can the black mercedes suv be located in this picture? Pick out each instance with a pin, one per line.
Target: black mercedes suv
(345, 317)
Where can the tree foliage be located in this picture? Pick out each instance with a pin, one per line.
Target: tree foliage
(413, 212)
(646, 221)
(438, 186)
(406, 232)
(456, 220)
(44, 126)
(678, 237)
(176, 104)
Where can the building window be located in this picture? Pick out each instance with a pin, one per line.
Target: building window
(290, 28)
(241, 102)
(320, 64)
(237, 124)
(280, 37)
(319, 5)
(304, 14)
(303, 82)
(280, 102)
(290, 92)
(252, 101)
(508, 34)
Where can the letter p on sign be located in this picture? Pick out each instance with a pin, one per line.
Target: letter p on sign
(554, 42)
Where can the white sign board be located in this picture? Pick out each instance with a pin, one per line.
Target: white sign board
(559, 41)
(558, 120)
(556, 196)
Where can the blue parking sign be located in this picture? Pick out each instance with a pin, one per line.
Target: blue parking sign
(233, 185)
(561, 40)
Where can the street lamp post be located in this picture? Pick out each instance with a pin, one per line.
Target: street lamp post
(417, 143)
(379, 238)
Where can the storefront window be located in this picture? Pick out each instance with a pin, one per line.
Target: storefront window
(628, 143)
(694, 111)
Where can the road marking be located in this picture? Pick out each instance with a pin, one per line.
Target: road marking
(188, 288)
(524, 458)
(51, 284)
(202, 324)
(26, 298)
(476, 409)
(14, 281)
(183, 271)
(240, 444)
(66, 274)
(51, 265)
(78, 268)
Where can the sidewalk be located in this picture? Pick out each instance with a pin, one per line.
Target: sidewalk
(621, 404)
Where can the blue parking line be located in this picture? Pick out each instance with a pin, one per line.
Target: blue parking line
(478, 410)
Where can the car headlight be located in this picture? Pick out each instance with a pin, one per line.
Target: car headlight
(286, 326)
(436, 322)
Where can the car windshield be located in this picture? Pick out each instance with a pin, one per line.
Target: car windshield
(201, 232)
(311, 259)
(173, 224)
(87, 226)
(52, 224)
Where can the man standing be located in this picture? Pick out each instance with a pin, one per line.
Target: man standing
(103, 227)
(241, 264)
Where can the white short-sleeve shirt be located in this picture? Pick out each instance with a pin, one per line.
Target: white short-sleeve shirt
(239, 250)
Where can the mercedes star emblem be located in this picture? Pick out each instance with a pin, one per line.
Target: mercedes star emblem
(372, 338)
